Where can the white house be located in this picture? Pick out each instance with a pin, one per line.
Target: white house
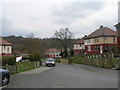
(5, 48)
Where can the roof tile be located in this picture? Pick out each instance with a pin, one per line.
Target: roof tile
(102, 31)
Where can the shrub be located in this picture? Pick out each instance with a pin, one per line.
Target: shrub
(31, 57)
(78, 60)
(10, 60)
(71, 52)
(34, 57)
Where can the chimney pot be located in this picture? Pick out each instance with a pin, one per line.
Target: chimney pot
(101, 26)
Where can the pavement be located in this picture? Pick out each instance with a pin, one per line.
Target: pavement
(66, 76)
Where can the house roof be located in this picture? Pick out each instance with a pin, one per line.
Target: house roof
(81, 41)
(102, 31)
(52, 50)
(4, 42)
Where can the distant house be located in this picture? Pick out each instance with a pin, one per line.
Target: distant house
(52, 53)
(100, 41)
(5, 48)
(79, 46)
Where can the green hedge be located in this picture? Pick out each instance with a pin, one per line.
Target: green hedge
(96, 60)
(35, 57)
(10, 60)
(77, 60)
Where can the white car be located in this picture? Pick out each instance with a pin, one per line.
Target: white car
(50, 62)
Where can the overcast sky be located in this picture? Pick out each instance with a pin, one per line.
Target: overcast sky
(43, 17)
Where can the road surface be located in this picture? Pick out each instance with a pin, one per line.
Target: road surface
(71, 76)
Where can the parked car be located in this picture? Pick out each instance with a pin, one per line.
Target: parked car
(50, 62)
(4, 77)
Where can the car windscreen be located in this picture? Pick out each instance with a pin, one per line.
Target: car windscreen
(49, 60)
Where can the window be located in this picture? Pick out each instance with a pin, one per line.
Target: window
(114, 40)
(76, 46)
(88, 41)
(105, 38)
(89, 48)
(95, 40)
(8, 49)
(80, 45)
(96, 48)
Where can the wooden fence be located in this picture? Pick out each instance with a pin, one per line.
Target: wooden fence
(21, 66)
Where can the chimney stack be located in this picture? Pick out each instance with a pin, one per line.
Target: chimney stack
(101, 26)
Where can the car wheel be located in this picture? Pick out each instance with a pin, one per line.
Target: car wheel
(5, 80)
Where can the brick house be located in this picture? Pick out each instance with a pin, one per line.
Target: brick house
(52, 53)
(5, 48)
(79, 46)
(118, 35)
(100, 41)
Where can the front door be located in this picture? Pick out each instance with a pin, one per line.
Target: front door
(101, 51)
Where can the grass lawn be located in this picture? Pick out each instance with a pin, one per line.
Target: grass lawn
(25, 65)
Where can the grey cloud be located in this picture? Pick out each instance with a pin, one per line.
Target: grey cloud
(7, 29)
(63, 21)
(77, 9)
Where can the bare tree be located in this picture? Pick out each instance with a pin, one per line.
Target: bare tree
(65, 36)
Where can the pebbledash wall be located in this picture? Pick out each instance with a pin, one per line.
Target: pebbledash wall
(5, 50)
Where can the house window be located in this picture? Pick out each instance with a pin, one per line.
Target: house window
(88, 41)
(114, 40)
(77, 46)
(8, 49)
(89, 48)
(105, 38)
(80, 45)
(96, 48)
(95, 40)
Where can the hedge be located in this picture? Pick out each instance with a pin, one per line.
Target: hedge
(35, 57)
(10, 60)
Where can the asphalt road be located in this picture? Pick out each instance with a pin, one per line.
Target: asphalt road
(71, 76)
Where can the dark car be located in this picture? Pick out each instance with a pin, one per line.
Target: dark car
(4, 77)
(50, 62)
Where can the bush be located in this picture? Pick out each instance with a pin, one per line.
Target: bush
(31, 57)
(71, 52)
(78, 60)
(34, 57)
(10, 60)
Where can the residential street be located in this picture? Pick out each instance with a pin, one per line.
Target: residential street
(69, 76)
